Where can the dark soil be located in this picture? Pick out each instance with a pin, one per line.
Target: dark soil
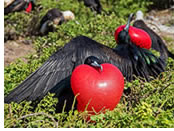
(14, 49)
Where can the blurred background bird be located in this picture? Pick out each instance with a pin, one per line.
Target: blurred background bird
(18, 5)
(52, 18)
(94, 5)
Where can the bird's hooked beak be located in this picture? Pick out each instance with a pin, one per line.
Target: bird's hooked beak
(56, 21)
(129, 21)
(95, 64)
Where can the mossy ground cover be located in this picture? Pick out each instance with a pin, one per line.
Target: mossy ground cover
(150, 104)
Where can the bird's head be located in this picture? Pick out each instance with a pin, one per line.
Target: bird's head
(126, 34)
(56, 21)
(122, 33)
(94, 62)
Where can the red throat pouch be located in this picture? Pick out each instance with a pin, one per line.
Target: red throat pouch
(29, 8)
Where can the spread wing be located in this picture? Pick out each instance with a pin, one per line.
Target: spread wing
(60, 66)
(56, 68)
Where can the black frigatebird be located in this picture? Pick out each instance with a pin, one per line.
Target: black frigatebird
(19, 5)
(54, 75)
(54, 17)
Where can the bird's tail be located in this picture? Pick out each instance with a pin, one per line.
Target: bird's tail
(145, 63)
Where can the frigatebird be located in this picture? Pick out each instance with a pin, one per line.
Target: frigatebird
(54, 17)
(19, 5)
(54, 75)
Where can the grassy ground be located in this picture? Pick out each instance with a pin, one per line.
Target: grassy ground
(150, 104)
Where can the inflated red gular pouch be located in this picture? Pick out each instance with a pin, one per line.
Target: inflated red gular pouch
(29, 8)
(138, 36)
(97, 89)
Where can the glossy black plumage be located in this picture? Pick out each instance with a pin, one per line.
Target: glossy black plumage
(94, 5)
(94, 62)
(54, 74)
(157, 43)
(92, 59)
(18, 5)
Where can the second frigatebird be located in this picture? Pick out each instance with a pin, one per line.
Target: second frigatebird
(157, 42)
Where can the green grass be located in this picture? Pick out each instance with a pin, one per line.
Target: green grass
(150, 104)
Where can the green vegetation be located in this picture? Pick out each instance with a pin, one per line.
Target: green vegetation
(150, 104)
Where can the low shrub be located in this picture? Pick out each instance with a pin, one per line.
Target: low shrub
(150, 104)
